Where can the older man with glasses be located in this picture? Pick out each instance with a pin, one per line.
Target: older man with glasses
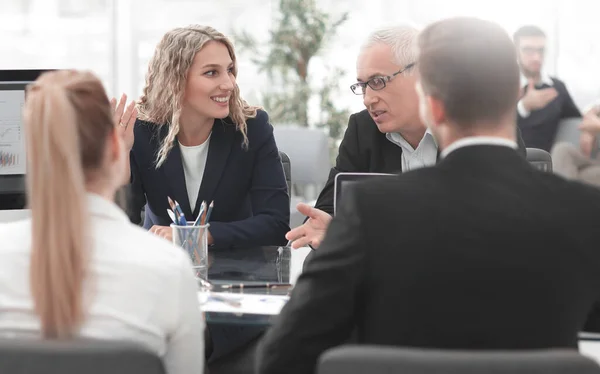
(388, 136)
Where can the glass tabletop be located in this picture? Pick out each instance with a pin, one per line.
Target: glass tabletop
(250, 266)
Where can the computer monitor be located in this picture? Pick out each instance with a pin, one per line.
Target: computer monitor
(12, 137)
(344, 180)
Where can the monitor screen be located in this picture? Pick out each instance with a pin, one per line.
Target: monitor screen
(13, 157)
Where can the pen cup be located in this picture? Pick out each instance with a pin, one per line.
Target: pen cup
(194, 240)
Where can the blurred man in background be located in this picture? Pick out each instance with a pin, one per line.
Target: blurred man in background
(544, 100)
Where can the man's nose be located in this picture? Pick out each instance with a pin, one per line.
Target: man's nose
(369, 97)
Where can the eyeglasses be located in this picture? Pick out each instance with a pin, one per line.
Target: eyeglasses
(377, 83)
(533, 50)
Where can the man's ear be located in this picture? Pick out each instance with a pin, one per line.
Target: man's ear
(438, 111)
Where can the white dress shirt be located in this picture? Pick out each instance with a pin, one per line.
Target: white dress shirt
(140, 288)
(424, 155)
(194, 162)
(478, 140)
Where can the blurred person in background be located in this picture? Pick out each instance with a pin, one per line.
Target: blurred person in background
(544, 100)
(581, 163)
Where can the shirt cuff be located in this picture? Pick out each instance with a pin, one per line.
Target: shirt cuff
(521, 109)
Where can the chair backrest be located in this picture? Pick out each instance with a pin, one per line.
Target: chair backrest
(310, 151)
(539, 159)
(77, 356)
(568, 131)
(388, 360)
(287, 170)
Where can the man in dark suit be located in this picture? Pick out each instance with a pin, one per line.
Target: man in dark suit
(388, 136)
(480, 251)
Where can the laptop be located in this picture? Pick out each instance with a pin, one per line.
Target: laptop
(344, 180)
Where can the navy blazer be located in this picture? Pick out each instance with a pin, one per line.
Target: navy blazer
(248, 187)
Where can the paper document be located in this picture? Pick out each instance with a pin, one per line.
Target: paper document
(241, 303)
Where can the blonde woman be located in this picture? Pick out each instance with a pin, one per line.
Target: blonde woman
(78, 267)
(197, 140)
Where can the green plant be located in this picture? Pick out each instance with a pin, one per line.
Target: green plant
(302, 31)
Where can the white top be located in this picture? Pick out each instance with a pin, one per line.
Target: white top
(194, 162)
(478, 140)
(424, 155)
(141, 289)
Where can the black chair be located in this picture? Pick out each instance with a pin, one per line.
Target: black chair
(539, 159)
(388, 360)
(76, 356)
(287, 170)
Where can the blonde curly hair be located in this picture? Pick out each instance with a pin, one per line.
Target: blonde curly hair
(166, 78)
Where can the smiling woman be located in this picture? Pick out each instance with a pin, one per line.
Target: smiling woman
(197, 140)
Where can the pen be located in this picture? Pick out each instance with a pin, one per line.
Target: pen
(178, 212)
(199, 218)
(182, 220)
(260, 285)
(203, 215)
(233, 303)
(205, 283)
(210, 208)
(172, 216)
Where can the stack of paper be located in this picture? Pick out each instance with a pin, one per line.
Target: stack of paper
(224, 302)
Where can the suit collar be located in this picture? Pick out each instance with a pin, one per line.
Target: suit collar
(478, 140)
(544, 79)
(483, 157)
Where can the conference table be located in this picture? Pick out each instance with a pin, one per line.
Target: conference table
(254, 266)
(272, 264)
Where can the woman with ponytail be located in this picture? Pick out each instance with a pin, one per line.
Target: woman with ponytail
(78, 268)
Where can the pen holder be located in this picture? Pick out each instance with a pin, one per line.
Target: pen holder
(194, 240)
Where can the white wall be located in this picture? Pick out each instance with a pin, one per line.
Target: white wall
(115, 38)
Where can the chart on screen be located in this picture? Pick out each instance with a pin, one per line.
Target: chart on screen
(12, 144)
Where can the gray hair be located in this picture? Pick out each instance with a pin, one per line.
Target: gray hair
(401, 38)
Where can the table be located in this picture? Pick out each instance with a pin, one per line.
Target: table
(284, 265)
(251, 266)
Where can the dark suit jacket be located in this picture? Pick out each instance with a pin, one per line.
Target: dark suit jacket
(478, 252)
(364, 149)
(251, 203)
(540, 127)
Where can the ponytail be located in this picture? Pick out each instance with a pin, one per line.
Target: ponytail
(56, 196)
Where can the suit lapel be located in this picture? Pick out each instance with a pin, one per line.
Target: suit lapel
(391, 156)
(221, 140)
(173, 169)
